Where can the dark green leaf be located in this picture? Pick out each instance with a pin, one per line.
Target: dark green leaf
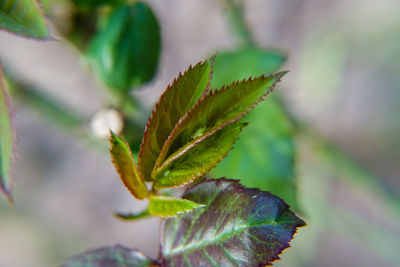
(197, 157)
(264, 156)
(173, 104)
(123, 161)
(115, 256)
(23, 17)
(217, 108)
(7, 139)
(171, 207)
(238, 227)
(125, 51)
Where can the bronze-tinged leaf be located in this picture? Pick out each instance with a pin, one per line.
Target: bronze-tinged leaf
(123, 161)
(173, 104)
(170, 207)
(7, 140)
(198, 157)
(23, 17)
(238, 227)
(220, 107)
(112, 256)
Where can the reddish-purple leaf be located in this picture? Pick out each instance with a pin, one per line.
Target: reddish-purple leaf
(112, 256)
(237, 227)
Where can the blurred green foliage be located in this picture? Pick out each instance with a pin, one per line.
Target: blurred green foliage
(125, 50)
(264, 155)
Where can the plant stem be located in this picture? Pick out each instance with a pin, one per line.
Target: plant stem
(238, 24)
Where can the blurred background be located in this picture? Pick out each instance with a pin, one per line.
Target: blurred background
(327, 141)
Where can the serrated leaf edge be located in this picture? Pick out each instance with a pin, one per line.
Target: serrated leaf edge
(49, 36)
(239, 188)
(112, 134)
(173, 198)
(168, 141)
(154, 111)
(201, 174)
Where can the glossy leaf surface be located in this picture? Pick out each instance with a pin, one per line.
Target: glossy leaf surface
(126, 48)
(23, 17)
(7, 139)
(217, 108)
(265, 154)
(123, 161)
(170, 207)
(95, 3)
(173, 104)
(197, 157)
(113, 256)
(238, 227)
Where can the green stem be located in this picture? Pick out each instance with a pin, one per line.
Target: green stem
(238, 24)
(132, 216)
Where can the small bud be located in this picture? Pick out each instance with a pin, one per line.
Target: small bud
(104, 120)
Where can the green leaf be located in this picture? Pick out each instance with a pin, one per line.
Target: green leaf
(123, 161)
(265, 154)
(198, 157)
(217, 108)
(238, 227)
(178, 98)
(170, 207)
(126, 48)
(23, 17)
(112, 256)
(7, 139)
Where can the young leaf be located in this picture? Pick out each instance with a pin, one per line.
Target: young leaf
(197, 157)
(171, 207)
(265, 154)
(123, 161)
(24, 17)
(173, 104)
(238, 227)
(125, 50)
(217, 108)
(132, 216)
(7, 139)
(112, 256)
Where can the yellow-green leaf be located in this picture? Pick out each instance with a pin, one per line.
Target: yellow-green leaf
(23, 17)
(7, 140)
(123, 161)
(197, 157)
(170, 207)
(173, 104)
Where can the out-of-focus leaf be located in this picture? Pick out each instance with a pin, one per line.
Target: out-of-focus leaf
(222, 107)
(170, 207)
(123, 161)
(132, 216)
(23, 17)
(113, 256)
(125, 50)
(178, 98)
(248, 62)
(197, 157)
(7, 139)
(264, 155)
(238, 227)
